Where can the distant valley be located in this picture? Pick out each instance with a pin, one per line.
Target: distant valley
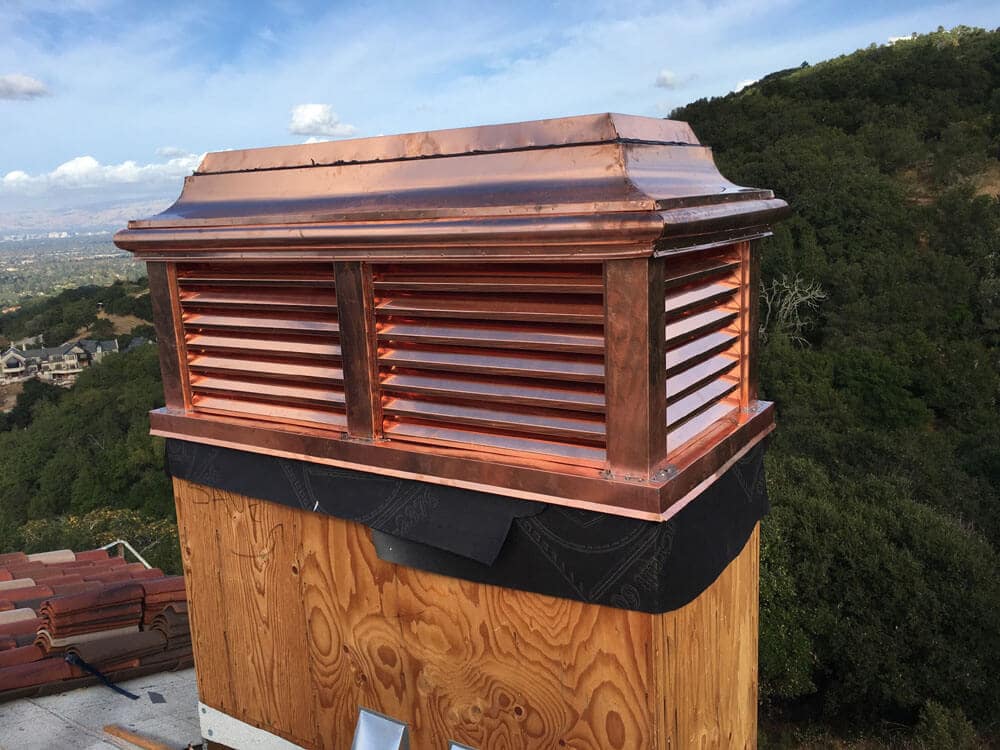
(43, 266)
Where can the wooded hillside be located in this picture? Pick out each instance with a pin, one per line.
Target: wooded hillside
(84, 471)
(881, 597)
(77, 311)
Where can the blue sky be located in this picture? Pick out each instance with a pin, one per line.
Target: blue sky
(105, 105)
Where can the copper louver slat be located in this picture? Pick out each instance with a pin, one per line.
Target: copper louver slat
(701, 423)
(495, 337)
(493, 307)
(270, 391)
(511, 280)
(251, 324)
(549, 395)
(432, 433)
(497, 363)
(242, 345)
(256, 298)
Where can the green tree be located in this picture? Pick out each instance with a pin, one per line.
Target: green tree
(102, 328)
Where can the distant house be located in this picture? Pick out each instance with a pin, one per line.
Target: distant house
(13, 365)
(97, 349)
(59, 364)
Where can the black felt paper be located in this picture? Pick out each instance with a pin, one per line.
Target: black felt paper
(592, 557)
(467, 523)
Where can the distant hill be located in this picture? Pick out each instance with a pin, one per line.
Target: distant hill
(96, 216)
(44, 266)
(880, 594)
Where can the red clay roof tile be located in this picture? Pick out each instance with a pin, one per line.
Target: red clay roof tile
(106, 651)
(16, 583)
(20, 655)
(166, 585)
(38, 672)
(32, 592)
(62, 589)
(21, 627)
(93, 554)
(123, 593)
(92, 602)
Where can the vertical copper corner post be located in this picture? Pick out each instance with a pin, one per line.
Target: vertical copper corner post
(166, 321)
(358, 342)
(635, 378)
(751, 327)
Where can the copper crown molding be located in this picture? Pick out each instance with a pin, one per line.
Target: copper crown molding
(561, 310)
(579, 187)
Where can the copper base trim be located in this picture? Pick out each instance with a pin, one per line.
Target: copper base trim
(532, 479)
(678, 506)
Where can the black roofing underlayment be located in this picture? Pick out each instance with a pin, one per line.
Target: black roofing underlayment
(591, 557)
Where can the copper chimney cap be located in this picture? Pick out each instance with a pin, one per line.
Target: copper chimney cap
(630, 184)
(561, 310)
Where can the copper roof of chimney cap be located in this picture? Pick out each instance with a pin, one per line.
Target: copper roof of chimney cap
(551, 133)
(594, 186)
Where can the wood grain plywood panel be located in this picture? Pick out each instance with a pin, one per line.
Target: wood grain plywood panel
(317, 625)
(481, 665)
(264, 613)
(705, 656)
(247, 607)
(200, 555)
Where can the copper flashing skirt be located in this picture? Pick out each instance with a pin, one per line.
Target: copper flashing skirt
(561, 310)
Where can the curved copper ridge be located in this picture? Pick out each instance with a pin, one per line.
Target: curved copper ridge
(561, 310)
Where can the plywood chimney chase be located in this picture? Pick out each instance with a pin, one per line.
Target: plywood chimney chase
(500, 321)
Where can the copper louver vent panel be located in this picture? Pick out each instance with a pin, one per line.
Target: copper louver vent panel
(503, 357)
(703, 318)
(263, 341)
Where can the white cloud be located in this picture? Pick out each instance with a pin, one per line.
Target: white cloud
(17, 177)
(20, 86)
(318, 120)
(87, 172)
(667, 79)
(171, 152)
(744, 83)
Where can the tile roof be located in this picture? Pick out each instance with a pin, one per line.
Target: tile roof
(92, 346)
(60, 607)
